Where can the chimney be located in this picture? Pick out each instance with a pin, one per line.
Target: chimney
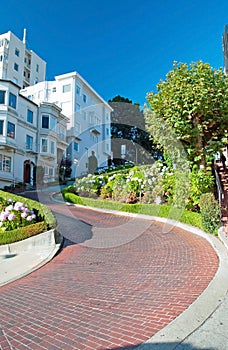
(24, 36)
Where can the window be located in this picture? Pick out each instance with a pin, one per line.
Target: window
(107, 147)
(54, 89)
(76, 146)
(11, 130)
(84, 115)
(12, 100)
(5, 163)
(84, 98)
(44, 145)
(107, 131)
(78, 90)
(2, 97)
(66, 88)
(1, 127)
(37, 68)
(52, 147)
(45, 121)
(51, 171)
(78, 107)
(29, 116)
(15, 80)
(123, 150)
(53, 123)
(16, 67)
(17, 52)
(29, 142)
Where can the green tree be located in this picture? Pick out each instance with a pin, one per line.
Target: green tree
(128, 124)
(193, 102)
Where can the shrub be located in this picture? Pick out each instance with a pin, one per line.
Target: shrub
(210, 212)
(14, 215)
(202, 181)
(44, 213)
(22, 233)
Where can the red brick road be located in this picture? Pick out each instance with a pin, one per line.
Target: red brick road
(105, 298)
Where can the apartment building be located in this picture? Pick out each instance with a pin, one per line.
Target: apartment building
(19, 64)
(30, 135)
(68, 100)
(88, 130)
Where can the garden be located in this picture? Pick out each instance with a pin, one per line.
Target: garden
(154, 189)
(21, 218)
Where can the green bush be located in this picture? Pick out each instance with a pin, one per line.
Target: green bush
(22, 233)
(165, 211)
(210, 212)
(202, 181)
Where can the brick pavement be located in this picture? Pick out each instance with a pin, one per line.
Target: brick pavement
(105, 298)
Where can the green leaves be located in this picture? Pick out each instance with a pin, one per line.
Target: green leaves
(193, 102)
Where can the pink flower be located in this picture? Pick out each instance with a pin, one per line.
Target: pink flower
(3, 216)
(29, 218)
(24, 215)
(11, 217)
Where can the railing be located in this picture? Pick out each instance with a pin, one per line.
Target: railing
(219, 190)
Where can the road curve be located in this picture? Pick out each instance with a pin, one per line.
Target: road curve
(115, 283)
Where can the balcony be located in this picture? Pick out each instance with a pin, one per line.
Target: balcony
(30, 150)
(6, 144)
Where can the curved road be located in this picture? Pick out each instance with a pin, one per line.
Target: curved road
(116, 282)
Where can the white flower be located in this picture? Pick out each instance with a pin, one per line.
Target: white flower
(10, 207)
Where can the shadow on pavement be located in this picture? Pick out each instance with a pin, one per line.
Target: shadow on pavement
(164, 346)
(72, 229)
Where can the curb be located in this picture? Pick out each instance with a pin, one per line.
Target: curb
(40, 249)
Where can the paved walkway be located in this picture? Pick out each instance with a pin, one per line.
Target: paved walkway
(117, 281)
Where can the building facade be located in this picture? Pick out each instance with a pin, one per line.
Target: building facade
(30, 135)
(89, 127)
(65, 121)
(19, 64)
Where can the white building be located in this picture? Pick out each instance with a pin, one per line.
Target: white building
(30, 135)
(19, 64)
(68, 95)
(89, 114)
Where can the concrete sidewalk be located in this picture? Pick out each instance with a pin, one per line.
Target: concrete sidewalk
(21, 258)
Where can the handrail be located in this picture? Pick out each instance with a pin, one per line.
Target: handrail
(219, 190)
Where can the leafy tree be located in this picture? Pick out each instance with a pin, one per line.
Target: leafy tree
(128, 124)
(119, 98)
(193, 103)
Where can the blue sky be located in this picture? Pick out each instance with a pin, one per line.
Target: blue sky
(119, 46)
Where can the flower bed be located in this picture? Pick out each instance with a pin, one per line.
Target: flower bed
(146, 189)
(14, 215)
(21, 218)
